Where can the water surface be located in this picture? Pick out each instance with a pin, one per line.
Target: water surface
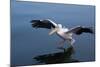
(27, 42)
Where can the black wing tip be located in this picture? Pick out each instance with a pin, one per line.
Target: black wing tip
(91, 30)
(32, 21)
(85, 30)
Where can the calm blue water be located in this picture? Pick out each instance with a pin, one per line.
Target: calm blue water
(27, 42)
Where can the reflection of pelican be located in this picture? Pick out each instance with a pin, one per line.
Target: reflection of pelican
(64, 33)
(58, 57)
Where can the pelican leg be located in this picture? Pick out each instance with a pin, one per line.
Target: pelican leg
(71, 41)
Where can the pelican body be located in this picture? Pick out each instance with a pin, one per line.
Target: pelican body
(62, 32)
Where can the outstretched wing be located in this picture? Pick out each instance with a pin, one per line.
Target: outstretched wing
(43, 24)
(79, 30)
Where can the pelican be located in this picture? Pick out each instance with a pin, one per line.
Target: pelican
(64, 33)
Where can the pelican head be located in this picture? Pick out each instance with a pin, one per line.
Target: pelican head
(59, 26)
(54, 30)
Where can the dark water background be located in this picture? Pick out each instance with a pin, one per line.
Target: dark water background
(27, 42)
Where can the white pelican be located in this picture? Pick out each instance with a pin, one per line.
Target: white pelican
(64, 33)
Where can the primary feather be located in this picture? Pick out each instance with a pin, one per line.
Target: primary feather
(42, 24)
(79, 30)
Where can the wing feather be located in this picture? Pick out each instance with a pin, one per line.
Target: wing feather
(43, 24)
(79, 30)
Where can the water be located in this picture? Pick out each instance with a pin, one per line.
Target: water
(27, 42)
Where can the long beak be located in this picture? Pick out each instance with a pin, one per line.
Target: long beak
(53, 31)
